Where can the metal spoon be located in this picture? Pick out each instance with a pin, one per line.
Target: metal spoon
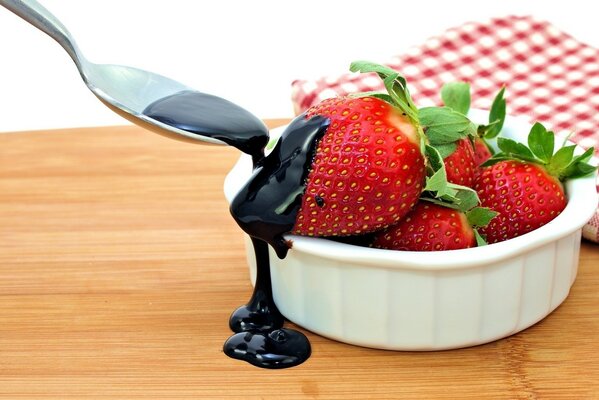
(125, 90)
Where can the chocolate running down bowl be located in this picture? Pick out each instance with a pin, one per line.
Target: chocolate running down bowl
(403, 300)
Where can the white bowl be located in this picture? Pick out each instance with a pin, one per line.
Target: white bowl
(404, 300)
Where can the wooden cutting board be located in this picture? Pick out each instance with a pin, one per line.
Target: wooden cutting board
(119, 267)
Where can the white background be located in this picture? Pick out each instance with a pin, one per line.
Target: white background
(246, 51)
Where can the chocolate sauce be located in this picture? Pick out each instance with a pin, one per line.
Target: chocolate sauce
(261, 312)
(281, 348)
(211, 116)
(260, 339)
(265, 208)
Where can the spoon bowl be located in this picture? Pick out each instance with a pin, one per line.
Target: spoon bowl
(130, 91)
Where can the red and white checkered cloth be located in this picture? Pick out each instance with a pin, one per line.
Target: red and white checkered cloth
(549, 76)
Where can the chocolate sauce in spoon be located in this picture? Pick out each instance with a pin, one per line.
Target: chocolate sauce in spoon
(212, 116)
(265, 208)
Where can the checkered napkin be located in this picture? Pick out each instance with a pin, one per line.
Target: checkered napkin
(550, 77)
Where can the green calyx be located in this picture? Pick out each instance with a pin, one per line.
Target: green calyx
(562, 164)
(444, 126)
(439, 191)
(456, 96)
(479, 217)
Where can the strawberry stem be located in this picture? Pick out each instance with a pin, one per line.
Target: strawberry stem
(395, 84)
(397, 95)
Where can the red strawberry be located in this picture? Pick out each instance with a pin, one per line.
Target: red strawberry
(450, 132)
(368, 170)
(523, 193)
(481, 151)
(461, 165)
(527, 192)
(429, 227)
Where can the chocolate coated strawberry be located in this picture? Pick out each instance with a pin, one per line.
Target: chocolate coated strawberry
(368, 170)
(369, 167)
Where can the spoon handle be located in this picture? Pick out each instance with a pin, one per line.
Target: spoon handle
(38, 16)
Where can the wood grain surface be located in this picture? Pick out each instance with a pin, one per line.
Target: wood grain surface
(120, 265)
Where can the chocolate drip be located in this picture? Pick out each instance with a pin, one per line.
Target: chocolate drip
(265, 208)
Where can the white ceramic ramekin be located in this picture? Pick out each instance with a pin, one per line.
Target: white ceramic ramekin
(429, 300)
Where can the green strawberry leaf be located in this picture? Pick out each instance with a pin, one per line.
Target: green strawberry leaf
(480, 240)
(436, 181)
(579, 166)
(438, 190)
(482, 130)
(446, 149)
(496, 115)
(460, 198)
(456, 95)
(584, 157)
(467, 197)
(541, 142)
(471, 130)
(443, 203)
(560, 160)
(457, 197)
(435, 159)
(578, 170)
(514, 149)
(443, 125)
(480, 216)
